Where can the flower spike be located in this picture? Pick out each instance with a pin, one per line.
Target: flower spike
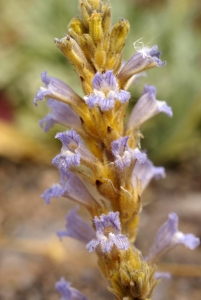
(102, 167)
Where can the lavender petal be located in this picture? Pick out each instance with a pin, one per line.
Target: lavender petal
(161, 275)
(140, 61)
(146, 108)
(55, 88)
(70, 187)
(123, 96)
(145, 172)
(168, 237)
(62, 114)
(67, 292)
(108, 233)
(77, 228)
(55, 191)
(121, 241)
(124, 154)
(106, 92)
(64, 161)
(72, 152)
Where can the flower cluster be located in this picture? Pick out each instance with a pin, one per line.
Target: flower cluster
(101, 153)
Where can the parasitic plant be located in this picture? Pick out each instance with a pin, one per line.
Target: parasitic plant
(101, 164)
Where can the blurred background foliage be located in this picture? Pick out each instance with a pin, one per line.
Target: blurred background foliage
(27, 32)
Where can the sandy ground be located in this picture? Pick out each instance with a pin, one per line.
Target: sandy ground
(32, 258)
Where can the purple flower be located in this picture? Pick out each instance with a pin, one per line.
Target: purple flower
(168, 237)
(72, 188)
(124, 154)
(145, 173)
(56, 89)
(72, 152)
(144, 59)
(106, 92)
(147, 107)
(108, 233)
(67, 292)
(60, 113)
(77, 228)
